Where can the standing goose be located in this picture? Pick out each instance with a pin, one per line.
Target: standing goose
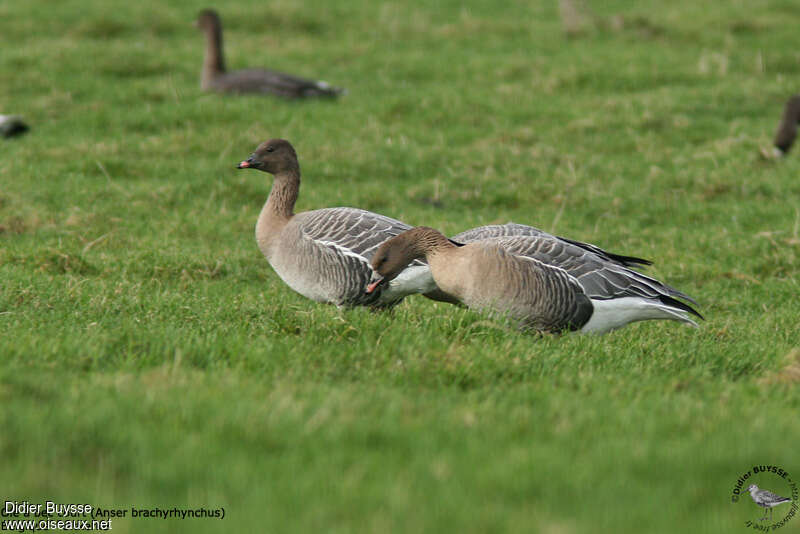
(787, 129)
(324, 254)
(603, 275)
(215, 78)
(485, 275)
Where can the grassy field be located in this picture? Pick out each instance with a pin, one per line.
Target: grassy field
(150, 357)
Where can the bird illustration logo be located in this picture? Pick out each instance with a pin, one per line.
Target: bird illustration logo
(766, 499)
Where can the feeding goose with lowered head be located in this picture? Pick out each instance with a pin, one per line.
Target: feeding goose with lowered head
(324, 254)
(486, 275)
(214, 77)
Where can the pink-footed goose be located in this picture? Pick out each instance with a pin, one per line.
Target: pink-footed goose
(787, 129)
(486, 275)
(324, 254)
(215, 78)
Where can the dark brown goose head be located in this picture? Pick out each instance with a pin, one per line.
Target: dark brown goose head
(208, 20)
(396, 253)
(787, 129)
(275, 156)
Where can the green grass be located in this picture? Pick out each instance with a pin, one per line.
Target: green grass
(149, 356)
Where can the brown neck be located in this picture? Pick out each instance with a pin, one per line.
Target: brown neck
(214, 63)
(427, 241)
(397, 253)
(285, 189)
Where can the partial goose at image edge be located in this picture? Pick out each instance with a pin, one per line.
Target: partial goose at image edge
(786, 133)
(12, 125)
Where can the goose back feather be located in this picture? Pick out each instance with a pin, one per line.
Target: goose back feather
(513, 229)
(270, 81)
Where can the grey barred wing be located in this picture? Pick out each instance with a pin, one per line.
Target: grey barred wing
(343, 241)
(600, 277)
(521, 230)
(497, 230)
(351, 230)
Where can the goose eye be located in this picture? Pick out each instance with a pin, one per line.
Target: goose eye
(270, 149)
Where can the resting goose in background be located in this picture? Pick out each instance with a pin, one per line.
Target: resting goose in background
(324, 254)
(487, 275)
(787, 129)
(215, 78)
(11, 125)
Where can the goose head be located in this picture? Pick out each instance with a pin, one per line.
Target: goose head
(274, 156)
(391, 258)
(396, 253)
(207, 20)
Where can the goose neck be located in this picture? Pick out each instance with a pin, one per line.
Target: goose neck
(214, 63)
(284, 193)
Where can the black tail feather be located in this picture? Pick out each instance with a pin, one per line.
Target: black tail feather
(675, 303)
(627, 261)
